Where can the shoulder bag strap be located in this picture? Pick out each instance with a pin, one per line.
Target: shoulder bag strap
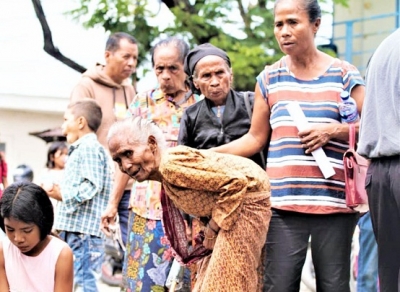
(247, 103)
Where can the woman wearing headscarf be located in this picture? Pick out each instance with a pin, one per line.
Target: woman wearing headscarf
(231, 190)
(222, 116)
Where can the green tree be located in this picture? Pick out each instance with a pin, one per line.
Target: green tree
(243, 28)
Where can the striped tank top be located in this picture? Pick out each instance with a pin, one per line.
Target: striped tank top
(297, 184)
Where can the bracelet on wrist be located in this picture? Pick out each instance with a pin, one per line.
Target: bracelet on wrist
(210, 238)
(212, 229)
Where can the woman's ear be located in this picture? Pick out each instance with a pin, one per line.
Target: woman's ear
(195, 83)
(152, 142)
(317, 24)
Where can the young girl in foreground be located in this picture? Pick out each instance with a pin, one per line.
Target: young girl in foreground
(31, 259)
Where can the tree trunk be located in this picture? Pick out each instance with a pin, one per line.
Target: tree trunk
(48, 40)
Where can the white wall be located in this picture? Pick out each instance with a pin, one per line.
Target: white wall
(20, 146)
(35, 87)
(372, 31)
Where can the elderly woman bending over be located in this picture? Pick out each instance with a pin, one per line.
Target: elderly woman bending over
(233, 191)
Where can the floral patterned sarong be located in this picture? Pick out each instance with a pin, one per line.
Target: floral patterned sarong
(148, 255)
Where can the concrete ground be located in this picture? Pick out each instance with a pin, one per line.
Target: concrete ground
(105, 288)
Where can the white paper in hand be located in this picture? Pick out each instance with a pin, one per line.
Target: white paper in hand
(319, 155)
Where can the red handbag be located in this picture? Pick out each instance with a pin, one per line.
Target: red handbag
(355, 171)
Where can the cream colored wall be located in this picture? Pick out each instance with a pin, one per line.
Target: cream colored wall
(20, 146)
(372, 31)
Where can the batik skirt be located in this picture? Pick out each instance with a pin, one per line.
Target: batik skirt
(235, 264)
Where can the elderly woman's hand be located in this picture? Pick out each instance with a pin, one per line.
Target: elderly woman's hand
(316, 136)
(209, 240)
(210, 234)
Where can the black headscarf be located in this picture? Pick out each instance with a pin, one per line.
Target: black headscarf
(196, 54)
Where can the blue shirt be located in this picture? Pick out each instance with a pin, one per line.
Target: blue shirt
(85, 189)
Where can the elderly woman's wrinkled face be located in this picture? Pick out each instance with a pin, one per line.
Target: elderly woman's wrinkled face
(293, 29)
(169, 70)
(136, 160)
(213, 78)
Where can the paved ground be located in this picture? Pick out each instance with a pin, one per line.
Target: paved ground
(105, 288)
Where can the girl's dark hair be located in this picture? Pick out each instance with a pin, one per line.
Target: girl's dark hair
(54, 147)
(181, 45)
(29, 203)
(311, 7)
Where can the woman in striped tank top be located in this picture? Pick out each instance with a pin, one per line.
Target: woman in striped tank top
(305, 203)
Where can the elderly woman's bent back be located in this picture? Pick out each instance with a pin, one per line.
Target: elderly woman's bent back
(232, 191)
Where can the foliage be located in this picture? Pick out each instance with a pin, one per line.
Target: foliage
(328, 51)
(243, 28)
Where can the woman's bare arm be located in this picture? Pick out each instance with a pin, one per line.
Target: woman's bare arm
(64, 278)
(358, 94)
(3, 278)
(255, 140)
(320, 134)
(5, 182)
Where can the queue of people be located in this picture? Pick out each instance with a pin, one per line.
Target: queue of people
(180, 156)
(164, 105)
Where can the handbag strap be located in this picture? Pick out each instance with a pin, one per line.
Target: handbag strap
(352, 136)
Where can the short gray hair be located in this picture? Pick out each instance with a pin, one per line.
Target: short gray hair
(140, 130)
(180, 44)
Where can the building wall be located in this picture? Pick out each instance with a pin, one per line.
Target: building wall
(367, 34)
(16, 123)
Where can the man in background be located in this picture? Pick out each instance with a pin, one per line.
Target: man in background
(380, 142)
(110, 87)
